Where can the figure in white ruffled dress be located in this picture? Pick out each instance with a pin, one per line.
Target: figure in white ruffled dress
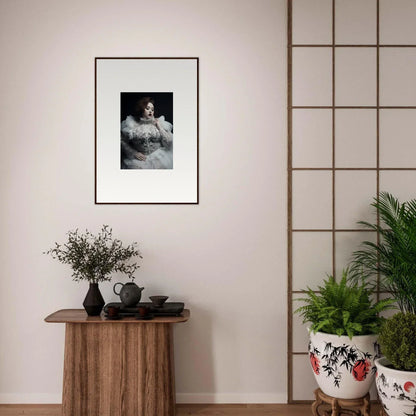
(146, 141)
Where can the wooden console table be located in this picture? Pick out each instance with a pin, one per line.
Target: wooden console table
(117, 368)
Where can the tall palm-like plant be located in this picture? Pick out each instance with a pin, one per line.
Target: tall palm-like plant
(393, 258)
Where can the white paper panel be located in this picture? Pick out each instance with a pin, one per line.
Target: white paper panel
(355, 77)
(312, 199)
(397, 76)
(312, 259)
(312, 22)
(312, 138)
(312, 79)
(356, 22)
(354, 192)
(355, 138)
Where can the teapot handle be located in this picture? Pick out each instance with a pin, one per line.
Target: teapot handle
(114, 288)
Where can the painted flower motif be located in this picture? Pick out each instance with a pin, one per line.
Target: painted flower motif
(361, 369)
(314, 362)
(408, 386)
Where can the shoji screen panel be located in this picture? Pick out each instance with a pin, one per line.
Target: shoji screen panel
(351, 134)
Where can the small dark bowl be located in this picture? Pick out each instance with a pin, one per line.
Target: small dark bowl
(158, 301)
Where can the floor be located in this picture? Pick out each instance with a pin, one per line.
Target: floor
(186, 410)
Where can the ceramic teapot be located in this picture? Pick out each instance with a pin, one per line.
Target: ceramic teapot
(130, 293)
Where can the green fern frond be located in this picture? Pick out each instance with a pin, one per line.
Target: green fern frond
(342, 308)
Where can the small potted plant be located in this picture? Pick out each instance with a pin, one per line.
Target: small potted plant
(396, 371)
(94, 258)
(392, 263)
(344, 323)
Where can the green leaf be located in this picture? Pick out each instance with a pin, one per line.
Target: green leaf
(392, 259)
(342, 308)
(96, 257)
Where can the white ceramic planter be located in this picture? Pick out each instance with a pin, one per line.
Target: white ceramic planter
(344, 368)
(396, 389)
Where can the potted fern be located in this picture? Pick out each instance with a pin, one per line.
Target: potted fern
(344, 323)
(392, 261)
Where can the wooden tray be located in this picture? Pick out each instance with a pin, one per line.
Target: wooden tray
(168, 308)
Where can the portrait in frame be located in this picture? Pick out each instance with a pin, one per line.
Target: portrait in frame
(146, 130)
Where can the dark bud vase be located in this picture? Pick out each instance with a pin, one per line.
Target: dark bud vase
(93, 302)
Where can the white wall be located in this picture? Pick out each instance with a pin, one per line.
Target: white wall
(226, 257)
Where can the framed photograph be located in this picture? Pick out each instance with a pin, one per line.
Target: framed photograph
(146, 130)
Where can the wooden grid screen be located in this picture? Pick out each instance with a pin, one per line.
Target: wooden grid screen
(351, 134)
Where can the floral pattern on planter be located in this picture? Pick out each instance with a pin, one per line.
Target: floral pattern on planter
(343, 368)
(408, 386)
(314, 362)
(335, 358)
(396, 391)
(361, 368)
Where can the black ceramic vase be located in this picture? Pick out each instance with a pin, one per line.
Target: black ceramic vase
(93, 302)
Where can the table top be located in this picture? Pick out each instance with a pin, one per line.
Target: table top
(79, 316)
